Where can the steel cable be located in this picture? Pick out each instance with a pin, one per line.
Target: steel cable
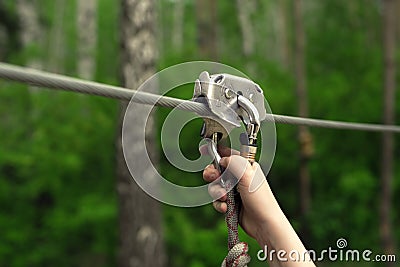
(61, 82)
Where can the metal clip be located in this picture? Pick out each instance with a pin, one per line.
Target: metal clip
(213, 151)
(248, 148)
(232, 100)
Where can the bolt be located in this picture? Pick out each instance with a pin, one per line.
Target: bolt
(229, 93)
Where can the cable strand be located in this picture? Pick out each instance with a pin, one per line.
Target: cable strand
(61, 82)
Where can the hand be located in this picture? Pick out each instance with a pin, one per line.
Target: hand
(260, 217)
(257, 199)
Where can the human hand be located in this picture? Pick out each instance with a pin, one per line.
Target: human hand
(258, 202)
(260, 215)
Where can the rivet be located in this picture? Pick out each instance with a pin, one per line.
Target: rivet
(229, 93)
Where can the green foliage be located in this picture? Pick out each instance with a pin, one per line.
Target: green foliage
(57, 195)
(57, 200)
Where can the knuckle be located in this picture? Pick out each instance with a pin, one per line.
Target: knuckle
(210, 189)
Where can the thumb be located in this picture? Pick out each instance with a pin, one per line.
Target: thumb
(237, 166)
(249, 175)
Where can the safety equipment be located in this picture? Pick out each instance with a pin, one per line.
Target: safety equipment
(231, 100)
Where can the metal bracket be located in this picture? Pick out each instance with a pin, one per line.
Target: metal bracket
(221, 93)
(232, 100)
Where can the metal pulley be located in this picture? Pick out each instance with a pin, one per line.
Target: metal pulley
(232, 100)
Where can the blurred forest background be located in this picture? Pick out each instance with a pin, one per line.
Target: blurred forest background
(63, 197)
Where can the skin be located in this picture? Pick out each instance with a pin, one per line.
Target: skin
(261, 216)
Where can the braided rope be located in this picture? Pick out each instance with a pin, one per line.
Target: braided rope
(232, 218)
(237, 255)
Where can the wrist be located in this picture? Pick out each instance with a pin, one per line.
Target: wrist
(271, 217)
(269, 224)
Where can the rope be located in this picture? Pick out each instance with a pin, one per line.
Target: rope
(232, 218)
(60, 82)
(237, 255)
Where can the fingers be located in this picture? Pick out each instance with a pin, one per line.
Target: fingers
(250, 175)
(222, 150)
(216, 191)
(210, 174)
(203, 149)
(236, 165)
(220, 206)
(226, 151)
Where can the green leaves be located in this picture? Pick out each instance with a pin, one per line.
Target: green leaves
(57, 184)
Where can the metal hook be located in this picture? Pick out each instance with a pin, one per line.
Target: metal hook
(212, 150)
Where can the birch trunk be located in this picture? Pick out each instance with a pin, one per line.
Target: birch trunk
(276, 26)
(87, 38)
(177, 34)
(206, 17)
(31, 33)
(56, 56)
(244, 9)
(140, 237)
(282, 34)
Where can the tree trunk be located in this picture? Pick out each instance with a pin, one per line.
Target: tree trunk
(206, 15)
(277, 44)
(282, 34)
(32, 41)
(305, 139)
(177, 34)
(56, 55)
(31, 34)
(140, 236)
(244, 14)
(398, 22)
(87, 38)
(245, 9)
(389, 44)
